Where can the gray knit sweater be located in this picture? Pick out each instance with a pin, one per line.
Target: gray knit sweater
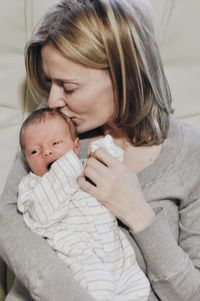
(168, 250)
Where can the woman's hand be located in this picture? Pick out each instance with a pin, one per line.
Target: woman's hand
(118, 189)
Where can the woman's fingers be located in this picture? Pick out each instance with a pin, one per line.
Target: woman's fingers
(94, 164)
(94, 173)
(104, 157)
(87, 186)
(97, 173)
(99, 165)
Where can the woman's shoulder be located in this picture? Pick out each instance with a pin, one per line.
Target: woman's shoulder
(188, 134)
(188, 148)
(191, 136)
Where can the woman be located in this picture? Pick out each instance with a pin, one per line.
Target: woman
(98, 60)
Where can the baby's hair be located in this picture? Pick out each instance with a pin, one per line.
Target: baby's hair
(40, 115)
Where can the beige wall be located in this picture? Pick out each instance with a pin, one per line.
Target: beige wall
(17, 19)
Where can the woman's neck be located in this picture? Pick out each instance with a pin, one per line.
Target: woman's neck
(135, 157)
(119, 136)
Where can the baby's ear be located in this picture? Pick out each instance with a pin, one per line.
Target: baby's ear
(77, 146)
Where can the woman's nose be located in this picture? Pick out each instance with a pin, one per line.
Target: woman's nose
(55, 99)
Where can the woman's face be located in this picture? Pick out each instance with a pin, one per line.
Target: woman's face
(86, 94)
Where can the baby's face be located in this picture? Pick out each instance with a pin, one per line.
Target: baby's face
(47, 141)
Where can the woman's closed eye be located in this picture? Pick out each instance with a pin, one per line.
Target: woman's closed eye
(68, 90)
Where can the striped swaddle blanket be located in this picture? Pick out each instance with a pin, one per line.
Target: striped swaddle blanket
(82, 231)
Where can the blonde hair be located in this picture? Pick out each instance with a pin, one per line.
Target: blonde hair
(113, 35)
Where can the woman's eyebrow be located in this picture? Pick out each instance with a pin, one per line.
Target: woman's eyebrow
(63, 80)
(69, 81)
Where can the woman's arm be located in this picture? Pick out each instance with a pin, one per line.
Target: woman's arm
(18, 292)
(31, 259)
(173, 267)
(173, 261)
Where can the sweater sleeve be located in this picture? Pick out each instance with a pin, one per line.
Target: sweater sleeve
(173, 274)
(29, 256)
(171, 244)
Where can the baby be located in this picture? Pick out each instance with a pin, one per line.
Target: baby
(84, 233)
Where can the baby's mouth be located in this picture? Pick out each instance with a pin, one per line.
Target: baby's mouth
(49, 165)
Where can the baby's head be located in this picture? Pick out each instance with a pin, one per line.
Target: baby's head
(45, 136)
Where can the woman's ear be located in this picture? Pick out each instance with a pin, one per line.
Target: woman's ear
(77, 148)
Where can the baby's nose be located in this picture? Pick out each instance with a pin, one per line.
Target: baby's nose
(47, 153)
